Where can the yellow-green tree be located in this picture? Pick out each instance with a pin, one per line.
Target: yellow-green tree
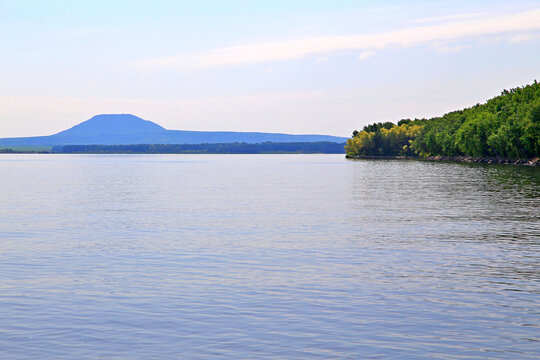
(394, 140)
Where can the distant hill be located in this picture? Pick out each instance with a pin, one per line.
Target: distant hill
(126, 129)
(113, 124)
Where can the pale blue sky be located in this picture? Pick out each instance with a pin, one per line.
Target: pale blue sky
(282, 66)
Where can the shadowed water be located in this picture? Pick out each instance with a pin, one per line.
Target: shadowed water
(267, 256)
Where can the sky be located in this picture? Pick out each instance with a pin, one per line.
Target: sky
(301, 67)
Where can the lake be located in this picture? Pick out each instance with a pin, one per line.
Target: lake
(267, 257)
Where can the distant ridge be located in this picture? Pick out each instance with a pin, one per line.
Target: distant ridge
(113, 124)
(126, 129)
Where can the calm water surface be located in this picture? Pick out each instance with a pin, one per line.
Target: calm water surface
(267, 256)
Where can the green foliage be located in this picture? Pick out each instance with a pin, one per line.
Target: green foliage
(472, 135)
(378, 126)
(385, 139)
(506, 126)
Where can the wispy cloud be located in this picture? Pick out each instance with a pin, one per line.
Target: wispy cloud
(294, 49)
(448, 48)
(453, 17)
(366, 55)
(521, 38)
(85, 32)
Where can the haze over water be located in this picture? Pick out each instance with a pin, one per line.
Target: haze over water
(266, 256)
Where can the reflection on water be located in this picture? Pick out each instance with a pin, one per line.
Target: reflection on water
(267, 256)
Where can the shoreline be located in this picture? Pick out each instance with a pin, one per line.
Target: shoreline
(461, 159)
(171, 153)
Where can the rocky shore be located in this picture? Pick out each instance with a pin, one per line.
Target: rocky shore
(468, 159)
(486, 160)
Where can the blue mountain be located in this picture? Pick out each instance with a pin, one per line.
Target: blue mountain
(112, 124)
(124, 129)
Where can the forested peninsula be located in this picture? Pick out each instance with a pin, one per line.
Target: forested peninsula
(505, 128)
